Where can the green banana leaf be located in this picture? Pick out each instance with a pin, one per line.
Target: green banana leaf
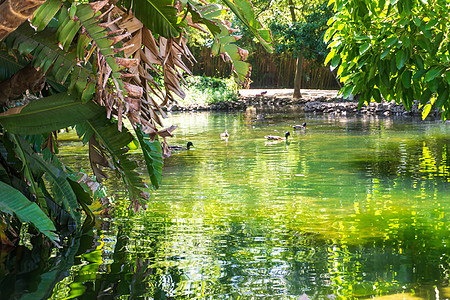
(115, 142)
(62, 190)
(48, 114)
(160, 16)
(10, 64)
(153, 157)
(243, 9)
(14, 202)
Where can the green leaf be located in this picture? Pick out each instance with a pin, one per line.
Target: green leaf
(400, 59)
(57, 178)
(243, 10)
(376, 95)
(443, 93)
(346, 91)
(44, 14)
(160, 16)
(14, 202)
(330, 55)
(432, 74)
(406, 79)
(431, 23)
(153, 157)
(48, 114)
(44, 48)
(335, 61)
(418, 74)
(390, 41)
(424, 43)
(363, 48)
(426, 96)
(115, 142)
(384, 53)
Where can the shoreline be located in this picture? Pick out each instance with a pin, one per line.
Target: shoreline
(317, 101)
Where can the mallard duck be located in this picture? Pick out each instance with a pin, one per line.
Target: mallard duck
(303, 126)
(224, 134)
(275, 137)
(180, 148)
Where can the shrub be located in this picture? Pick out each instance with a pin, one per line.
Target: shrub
(206, 90)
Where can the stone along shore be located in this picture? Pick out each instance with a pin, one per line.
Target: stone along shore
(313, 101)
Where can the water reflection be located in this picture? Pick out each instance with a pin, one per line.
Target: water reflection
(351, 208)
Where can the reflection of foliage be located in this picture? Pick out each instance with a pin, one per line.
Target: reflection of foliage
(406, 161)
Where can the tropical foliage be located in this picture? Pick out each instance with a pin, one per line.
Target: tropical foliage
(207, 90)
(90, 66)
(397, 50)
(304, 37)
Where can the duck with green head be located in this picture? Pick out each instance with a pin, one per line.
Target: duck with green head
(181, 148)
(278, 138)
(303, 126)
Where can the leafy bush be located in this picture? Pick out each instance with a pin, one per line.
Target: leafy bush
(206, 90)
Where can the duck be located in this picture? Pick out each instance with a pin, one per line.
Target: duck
(275, 137)
(181, 148)
(303, 126)
(224, 134)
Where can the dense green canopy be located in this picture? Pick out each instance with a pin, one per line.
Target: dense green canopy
(398, 50)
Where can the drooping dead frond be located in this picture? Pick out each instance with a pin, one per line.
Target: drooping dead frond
(144, 96)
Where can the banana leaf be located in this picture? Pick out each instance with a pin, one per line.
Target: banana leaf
(48, 114)
(153, 157)
(160, 16)
(14, 202)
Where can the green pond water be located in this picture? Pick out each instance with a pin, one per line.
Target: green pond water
(351, 207)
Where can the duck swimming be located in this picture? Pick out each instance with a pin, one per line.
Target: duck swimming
(181, 148)
(275, 137)
(224, 134)
(303, 126)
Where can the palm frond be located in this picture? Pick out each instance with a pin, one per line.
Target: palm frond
(48, 114)
(14, 202)
(10, 64)
(57, 178)
(153, 157)
(243, 9)
(115, 142)
(160, 16)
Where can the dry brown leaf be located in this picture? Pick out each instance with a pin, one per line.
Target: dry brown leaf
(167, 131)
(131, 24)
(135, 44)
(97, 158)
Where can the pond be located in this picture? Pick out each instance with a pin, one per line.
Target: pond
(350, 207)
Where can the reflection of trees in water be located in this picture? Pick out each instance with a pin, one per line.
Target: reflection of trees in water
(418, 160)
(158, 258)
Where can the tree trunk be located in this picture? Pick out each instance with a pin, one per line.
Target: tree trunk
(15, 12)
(292, 10)
(298, 77)
(298, 69)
